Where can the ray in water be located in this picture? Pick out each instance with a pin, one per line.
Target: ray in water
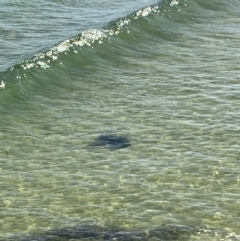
(111, 142)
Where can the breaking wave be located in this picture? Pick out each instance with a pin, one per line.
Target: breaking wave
(90, 38)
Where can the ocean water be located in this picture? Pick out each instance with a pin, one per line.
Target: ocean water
(164, 74)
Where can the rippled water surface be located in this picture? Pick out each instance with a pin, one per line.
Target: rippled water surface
(163, 74)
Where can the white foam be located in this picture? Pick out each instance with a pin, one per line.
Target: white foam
(174, 2)
(233, 235)
(2, 85)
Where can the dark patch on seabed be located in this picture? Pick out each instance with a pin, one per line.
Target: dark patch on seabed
(164, 232)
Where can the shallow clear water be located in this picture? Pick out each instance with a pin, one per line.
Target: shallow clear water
(166, 77)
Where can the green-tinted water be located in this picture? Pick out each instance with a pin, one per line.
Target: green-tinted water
(167, 78)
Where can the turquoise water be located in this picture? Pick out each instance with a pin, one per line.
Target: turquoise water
(163, 74)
